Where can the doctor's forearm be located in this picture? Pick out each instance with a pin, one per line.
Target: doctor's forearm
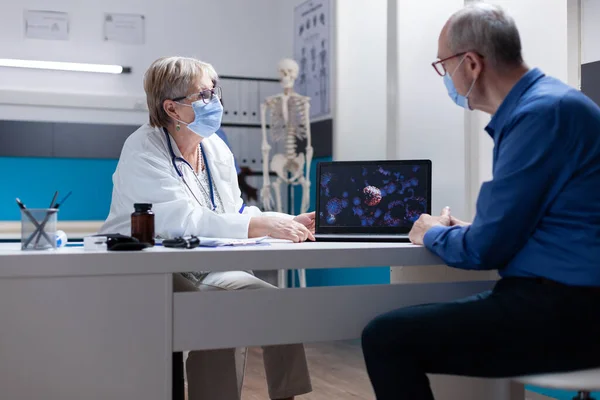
(259, 227)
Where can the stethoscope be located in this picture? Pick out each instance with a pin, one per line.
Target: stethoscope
(175, 159)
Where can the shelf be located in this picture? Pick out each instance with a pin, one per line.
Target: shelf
(240, 125)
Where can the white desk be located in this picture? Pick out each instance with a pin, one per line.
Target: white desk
(103, 325)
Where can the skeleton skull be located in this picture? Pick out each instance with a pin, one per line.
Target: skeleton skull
(288, 72)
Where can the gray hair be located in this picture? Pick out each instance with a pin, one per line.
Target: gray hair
(488, 30)
(171, 77)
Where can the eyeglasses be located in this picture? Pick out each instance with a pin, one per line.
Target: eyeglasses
(439, 66)
(206, 95)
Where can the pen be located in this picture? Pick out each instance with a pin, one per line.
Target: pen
(60, 203)
(53, 199)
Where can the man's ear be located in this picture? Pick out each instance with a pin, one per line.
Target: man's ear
(474, 62)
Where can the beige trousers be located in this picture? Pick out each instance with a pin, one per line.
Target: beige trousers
(219, 374)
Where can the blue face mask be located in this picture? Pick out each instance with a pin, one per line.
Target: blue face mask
(459, 99)
(207, 117)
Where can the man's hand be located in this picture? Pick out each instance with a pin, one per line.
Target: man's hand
(425, 223)
(458, 222)
(308, 220)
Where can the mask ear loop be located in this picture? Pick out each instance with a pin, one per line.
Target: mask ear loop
(472, 84)
(178, 126)
(471, 88)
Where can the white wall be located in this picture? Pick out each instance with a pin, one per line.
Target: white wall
(389, 101)
(237, 37)
(359, 100)
(574, 43)
(547, 45)
(430, 125)
(590, 31)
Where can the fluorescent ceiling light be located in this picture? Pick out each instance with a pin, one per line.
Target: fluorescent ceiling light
(65, 66)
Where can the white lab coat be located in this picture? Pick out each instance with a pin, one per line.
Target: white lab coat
(145, 174)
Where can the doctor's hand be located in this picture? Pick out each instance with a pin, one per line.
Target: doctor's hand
(279, 228)
(425, 223)
(308, 220)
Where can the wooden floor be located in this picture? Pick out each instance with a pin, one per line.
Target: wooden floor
(337, 372)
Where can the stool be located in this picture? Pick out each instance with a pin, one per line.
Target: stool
(584, 382)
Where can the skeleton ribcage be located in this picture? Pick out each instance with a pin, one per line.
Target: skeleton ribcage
(294, 129)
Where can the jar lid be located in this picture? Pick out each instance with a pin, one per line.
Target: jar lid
(142, 206)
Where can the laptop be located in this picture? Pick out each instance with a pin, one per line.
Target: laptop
(371, 201)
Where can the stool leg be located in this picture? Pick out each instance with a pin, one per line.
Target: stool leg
(178, 378)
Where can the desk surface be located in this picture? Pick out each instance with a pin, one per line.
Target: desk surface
(75, 261)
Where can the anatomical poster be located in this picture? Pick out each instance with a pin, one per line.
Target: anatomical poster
(312, 51)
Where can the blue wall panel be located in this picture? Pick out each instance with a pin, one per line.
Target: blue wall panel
(34, 181)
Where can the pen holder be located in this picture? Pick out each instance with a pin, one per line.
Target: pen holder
(38, 228)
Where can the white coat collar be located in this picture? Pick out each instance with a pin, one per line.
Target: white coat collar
(210, 145)
(220, 164)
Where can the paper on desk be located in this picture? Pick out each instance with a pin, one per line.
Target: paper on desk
(218, 242)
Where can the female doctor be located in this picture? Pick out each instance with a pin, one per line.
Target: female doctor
(178, 164)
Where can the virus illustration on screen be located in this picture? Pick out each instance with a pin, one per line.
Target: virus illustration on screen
(390, 187)
(396, 214)
(326, 178)
(378, 195)
(413, 215)
(372, 196)
(334, 207)
(383, 171)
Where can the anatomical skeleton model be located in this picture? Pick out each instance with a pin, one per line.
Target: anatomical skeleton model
(289, 121)
(289, 117)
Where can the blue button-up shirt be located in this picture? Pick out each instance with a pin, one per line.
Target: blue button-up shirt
(540, 214)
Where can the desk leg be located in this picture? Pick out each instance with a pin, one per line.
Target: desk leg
(93, 338)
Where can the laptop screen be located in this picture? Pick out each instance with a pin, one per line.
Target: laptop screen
(372, 196)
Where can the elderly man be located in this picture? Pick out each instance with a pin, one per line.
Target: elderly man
(537, 222)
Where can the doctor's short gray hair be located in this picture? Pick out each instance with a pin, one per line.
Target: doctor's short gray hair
(171, 77)
(488, 30)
